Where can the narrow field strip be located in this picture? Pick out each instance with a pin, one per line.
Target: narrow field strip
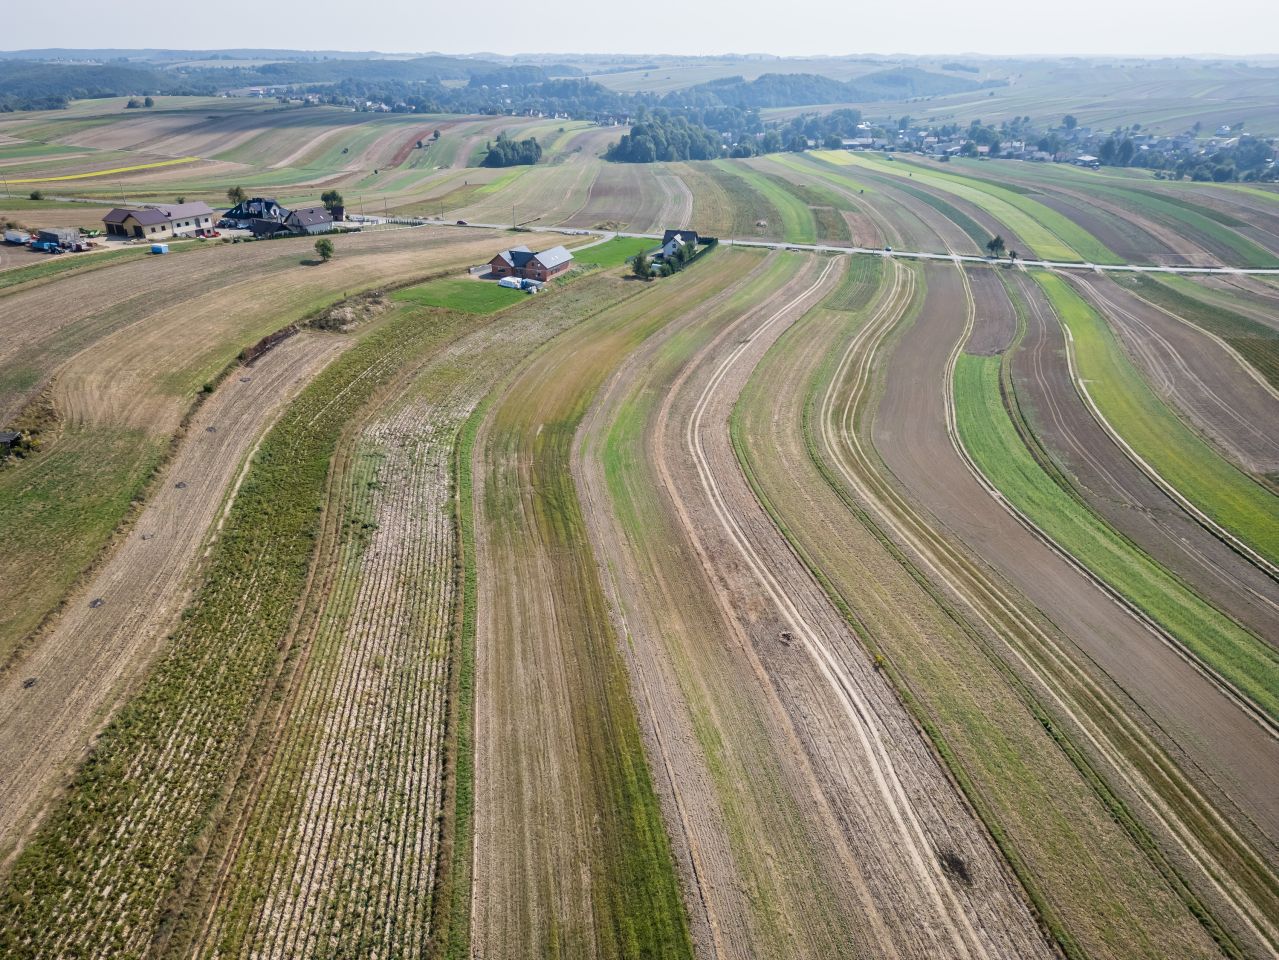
(111, 172)
(558, 740)
(988, 432)
(986, 725)
(1180, 460)
(348, 830)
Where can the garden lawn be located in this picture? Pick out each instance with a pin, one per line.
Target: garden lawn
(455, 293)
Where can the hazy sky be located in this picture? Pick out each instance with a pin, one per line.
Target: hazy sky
(689, 27)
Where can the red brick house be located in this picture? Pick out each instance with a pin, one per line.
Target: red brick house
(524, 263)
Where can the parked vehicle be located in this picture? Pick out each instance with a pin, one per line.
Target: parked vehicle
(17, 236)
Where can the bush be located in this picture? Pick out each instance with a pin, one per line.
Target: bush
(37, 195)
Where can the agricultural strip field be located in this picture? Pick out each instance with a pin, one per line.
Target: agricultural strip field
(1020, 576)
(130, 348)
(1069, 442)
(990, 436)
(347, 812)
(1240, 323)
(1166, 447)
(558, 742)
(1033, 792)
(680, 546)
(112, 627)
(1049, 234)
(105, 875)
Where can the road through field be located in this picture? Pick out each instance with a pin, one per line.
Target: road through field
(112, 626)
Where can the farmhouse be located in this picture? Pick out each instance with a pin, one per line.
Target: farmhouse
(245, 212)
(524, 263)
(674, 240)
(158, 222)
(305, 220)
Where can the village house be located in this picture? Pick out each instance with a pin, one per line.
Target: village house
(523, 263)
(159, 221)
(675, 240)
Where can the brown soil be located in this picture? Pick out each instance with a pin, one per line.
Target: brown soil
(1123, 494)
(1207, 384)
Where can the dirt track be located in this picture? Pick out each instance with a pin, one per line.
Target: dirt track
(86, 665)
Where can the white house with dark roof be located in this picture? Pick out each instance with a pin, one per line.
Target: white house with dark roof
(159, 221)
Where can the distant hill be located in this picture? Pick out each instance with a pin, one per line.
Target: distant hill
(28, 85)
(802, 89)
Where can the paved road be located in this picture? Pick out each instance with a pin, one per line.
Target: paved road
(904, 254)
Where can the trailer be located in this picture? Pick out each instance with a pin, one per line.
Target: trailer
(20, 237)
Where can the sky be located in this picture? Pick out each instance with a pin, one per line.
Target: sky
(783, 27)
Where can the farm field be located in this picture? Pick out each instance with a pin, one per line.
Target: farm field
(797, 604)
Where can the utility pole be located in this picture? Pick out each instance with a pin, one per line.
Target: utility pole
(6, 185)
(513, 223)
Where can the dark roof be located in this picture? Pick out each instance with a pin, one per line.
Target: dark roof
(8, 436)
(688, 236)
(554, 257)
(154, 216)
(309, 217)
(516, 256)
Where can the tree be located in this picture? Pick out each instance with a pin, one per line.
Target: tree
(149, 102)
(324, 248)
(331, 199)
(1069, 122)
(1123, 156)
(435, 135)
(37, 195)
(995, 246)
(237, 196)
(1107, 152)
(642, 266)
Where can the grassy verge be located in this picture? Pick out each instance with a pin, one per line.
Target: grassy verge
(615, 252)
(990, 436)
(1156, 434)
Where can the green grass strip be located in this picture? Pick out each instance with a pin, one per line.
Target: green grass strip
(798, 224)
(1157, 435)
(990, 436)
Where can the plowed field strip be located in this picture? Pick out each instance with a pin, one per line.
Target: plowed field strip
(1144, 774)
(1040, 806)
(739, 796)
(896, 785)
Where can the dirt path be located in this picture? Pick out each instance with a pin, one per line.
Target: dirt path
(97, 653)
(1121, 492)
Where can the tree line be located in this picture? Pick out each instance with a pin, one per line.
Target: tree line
(505, 152)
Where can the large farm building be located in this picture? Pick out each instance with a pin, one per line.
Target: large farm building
(524, 263)
(159, 222)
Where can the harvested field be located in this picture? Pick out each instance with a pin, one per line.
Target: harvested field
(94, 656)
(911, 436)
(131, 347)
(348, 811)
(1233, 503)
